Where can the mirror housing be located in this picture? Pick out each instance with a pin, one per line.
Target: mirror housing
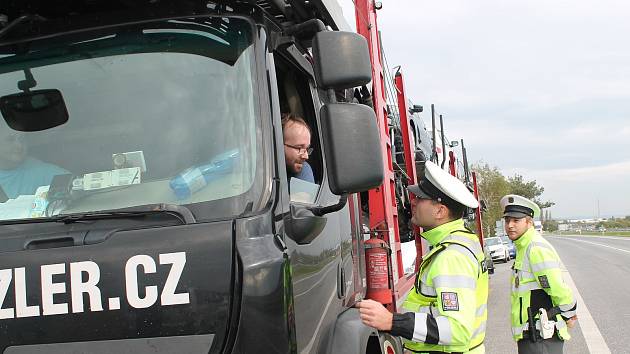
(32, 111)
(352, 148)
(341, 60)
(302, 226)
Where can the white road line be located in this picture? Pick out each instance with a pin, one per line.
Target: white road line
(599, 244)
(618, 238)
(593, 337)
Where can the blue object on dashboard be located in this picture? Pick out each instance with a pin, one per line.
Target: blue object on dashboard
(193, 179)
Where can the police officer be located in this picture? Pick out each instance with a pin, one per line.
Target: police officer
(446, 311)
(536, 283)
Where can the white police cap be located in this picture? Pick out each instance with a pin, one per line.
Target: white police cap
(439, 185)
(519, 207)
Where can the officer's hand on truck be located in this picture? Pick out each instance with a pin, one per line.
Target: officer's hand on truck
(375, 315)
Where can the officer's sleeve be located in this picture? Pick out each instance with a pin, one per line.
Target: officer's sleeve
(547, 269)
(451, 321)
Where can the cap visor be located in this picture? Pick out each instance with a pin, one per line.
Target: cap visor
(515, 214)
(418, 192)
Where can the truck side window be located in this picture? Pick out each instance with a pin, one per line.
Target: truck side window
(303, 156)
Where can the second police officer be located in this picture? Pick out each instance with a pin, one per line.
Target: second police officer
(543, 305)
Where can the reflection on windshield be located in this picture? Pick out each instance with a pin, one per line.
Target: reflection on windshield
(164, 116)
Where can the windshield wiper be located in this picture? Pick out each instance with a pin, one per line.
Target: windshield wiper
(18, 21)
(181, 213)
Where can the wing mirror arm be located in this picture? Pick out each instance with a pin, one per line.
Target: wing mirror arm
(321, 211)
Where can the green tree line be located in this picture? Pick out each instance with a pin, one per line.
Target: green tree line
(493, 185)
(616, 223)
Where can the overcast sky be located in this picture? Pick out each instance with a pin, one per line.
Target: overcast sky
(539, 88)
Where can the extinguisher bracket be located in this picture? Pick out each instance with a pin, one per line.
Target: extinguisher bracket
(378, 245)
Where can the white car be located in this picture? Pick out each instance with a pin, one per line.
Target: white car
(498, 249)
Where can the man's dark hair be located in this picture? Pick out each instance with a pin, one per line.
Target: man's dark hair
(456, 211)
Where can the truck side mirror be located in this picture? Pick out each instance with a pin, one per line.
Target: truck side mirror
(342, 60)
(351, 147)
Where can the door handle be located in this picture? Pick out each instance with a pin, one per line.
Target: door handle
(341, 281)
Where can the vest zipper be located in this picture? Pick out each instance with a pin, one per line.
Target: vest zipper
(520, 309)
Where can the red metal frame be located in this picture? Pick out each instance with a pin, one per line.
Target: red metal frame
(404, 284)
(382, 200)
(451, 163)
(383, 210)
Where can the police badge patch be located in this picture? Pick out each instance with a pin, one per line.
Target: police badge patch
(544, 282)
(449, 302)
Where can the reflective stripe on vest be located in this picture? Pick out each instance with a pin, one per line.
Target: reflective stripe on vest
(527, 282)
(423, 300)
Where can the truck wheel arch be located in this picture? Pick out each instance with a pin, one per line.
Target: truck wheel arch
(351, 336)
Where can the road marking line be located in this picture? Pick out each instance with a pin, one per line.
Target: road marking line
(599, 244)
(619, 238)
(593, 337)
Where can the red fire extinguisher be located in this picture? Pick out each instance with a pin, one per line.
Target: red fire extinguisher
(377, 271)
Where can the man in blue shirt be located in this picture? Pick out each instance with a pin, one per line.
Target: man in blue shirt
(19, 174)
(297, 147)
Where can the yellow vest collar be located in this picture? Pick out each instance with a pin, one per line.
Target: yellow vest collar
(522, 242)
(437, 234)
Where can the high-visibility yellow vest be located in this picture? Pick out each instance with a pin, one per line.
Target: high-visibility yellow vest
(537, 282)
(450, 296)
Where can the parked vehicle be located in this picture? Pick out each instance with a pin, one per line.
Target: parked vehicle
(489, 261)
(176, 224)
(538, 226)
(498, 249)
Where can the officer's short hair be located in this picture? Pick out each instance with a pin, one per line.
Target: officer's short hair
(456, 211)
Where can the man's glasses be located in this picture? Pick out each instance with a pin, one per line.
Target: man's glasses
(301, 150)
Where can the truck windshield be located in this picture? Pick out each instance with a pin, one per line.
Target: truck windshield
(159, 112)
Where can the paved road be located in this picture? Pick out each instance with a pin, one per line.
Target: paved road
(600, 269)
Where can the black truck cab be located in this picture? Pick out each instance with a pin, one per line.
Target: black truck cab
(146, 206)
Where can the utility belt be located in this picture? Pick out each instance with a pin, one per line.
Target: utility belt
(543, 327)
(440, 352)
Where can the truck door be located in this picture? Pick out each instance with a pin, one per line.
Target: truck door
(316, 265)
